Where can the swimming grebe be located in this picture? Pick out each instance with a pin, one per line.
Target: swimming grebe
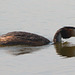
(25, 38)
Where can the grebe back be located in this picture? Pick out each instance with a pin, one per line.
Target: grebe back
(23, 38)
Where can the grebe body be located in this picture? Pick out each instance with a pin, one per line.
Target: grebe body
(23, 38)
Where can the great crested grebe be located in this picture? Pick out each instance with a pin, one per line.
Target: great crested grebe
(25, 38)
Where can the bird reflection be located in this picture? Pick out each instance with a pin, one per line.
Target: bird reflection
(65, 49)
(23, 51)
(20, 50)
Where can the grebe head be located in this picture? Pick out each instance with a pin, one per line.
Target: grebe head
(65, 33)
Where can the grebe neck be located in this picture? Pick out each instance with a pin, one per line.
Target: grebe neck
(57, 37)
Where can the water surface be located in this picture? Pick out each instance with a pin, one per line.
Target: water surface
(43, 17)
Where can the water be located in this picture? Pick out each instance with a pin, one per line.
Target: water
(43, 17)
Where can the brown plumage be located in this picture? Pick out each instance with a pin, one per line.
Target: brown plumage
(23, 38)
